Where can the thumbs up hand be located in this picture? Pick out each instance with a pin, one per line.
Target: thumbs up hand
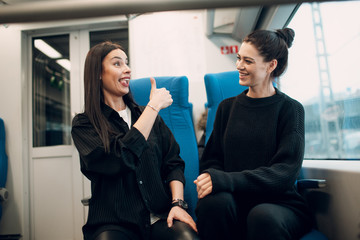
(160, 98)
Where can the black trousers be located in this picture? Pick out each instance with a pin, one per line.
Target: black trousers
(219, 216)
(159, 231)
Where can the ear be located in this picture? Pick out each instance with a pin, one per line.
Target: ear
(272, 65)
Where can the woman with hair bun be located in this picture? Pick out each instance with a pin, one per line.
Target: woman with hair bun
(254, 154)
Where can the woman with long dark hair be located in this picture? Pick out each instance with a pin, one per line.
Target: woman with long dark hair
(129, 155)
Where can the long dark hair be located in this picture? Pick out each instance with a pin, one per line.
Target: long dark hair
(273, 45)
(94, 96)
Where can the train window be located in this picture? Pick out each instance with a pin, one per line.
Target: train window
(51, 91)
(51, 84)
(323, 75)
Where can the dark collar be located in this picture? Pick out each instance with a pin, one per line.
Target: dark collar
(257, 102)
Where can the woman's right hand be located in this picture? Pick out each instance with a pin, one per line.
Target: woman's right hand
(160, 98)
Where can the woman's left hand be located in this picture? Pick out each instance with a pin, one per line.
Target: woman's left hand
(180, 214)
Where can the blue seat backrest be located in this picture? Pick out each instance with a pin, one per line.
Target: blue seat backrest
(219, 86)
(178, 117)
(3, 156)
(3, 159)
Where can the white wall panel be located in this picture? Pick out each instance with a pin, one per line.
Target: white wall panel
(53, 206)
(174, 44)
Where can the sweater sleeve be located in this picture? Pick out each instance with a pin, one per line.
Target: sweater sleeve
(125, 149)
(280, 174)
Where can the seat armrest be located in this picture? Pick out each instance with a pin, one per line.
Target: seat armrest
(311, 183)
(4, 194)
(85, 201)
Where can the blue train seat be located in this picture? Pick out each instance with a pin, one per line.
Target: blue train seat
(220, 86)
(178, 117)
(3, 166)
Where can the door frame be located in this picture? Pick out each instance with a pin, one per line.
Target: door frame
(60, 151)
(79, 44)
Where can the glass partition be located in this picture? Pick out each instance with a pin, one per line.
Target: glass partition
(51, 91)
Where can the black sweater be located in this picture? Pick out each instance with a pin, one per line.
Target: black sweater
(256, 149)
(133, 179)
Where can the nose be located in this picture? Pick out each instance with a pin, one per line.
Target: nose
(127, 69)
(239, 65)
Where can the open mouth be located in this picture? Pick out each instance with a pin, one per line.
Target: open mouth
(124, 81)
(243, 75)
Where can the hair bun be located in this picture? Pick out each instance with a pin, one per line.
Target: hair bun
(287, 34)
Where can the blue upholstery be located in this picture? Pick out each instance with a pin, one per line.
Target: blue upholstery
(219, 86)
(314, 235)
(3, 159)
(178, 117)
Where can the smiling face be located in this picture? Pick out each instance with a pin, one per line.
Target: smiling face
(253, 71)
(115, 75)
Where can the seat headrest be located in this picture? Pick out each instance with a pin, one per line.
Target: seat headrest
(220, 86)
(178, 87)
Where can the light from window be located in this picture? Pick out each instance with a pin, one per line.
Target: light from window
(323, 74)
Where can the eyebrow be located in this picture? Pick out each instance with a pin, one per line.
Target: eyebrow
(249, 58)
(126, 59)
(116, 57)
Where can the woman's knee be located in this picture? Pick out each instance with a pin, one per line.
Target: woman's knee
(114, 235)
(274, 221)
(179, 231)
(183, 231)
(217, 205)
(262, 214)
(217, 217)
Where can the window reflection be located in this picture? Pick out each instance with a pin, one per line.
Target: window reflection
(51, 91)
(323, 75)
